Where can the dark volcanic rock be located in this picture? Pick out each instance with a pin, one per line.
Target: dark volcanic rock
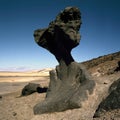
(61, 35)
(31, 88)
(112, 101)
(42, 90)
(0, 97)
(118, 68)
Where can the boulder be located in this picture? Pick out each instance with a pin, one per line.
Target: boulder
(112, 101)
(31, 88)
(118, 68)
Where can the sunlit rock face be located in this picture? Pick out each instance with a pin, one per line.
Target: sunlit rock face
(61, 35)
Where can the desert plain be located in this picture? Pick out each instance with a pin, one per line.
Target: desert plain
(14, 81)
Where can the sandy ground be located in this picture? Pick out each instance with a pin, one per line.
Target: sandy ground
(14, 107)
(14, 81)
(14, 84)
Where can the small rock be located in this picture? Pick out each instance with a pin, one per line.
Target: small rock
(118, 68)
(112, 101)
(14, 113)
(31, 88)
(105, 83)
(0, 97)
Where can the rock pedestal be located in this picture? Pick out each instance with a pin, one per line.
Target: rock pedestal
(70, 84)
(69, 87)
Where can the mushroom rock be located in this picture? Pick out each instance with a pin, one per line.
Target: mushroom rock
(62, 34)
(70, 84)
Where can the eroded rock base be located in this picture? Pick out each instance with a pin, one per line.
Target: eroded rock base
(69, 87)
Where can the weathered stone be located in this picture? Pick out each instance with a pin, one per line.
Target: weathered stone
(69, 87)
(118, 68)
(31, 88)
(0, 97)
(102, 59)
(70, 84)
(61, 35)
(42, 90)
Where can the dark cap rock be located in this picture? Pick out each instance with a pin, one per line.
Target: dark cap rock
(62, 34)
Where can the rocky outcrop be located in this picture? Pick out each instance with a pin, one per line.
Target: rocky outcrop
(69, 87)
(112, 101)
(104, 65)
(70, 84)
(102, 59)
(118, 67)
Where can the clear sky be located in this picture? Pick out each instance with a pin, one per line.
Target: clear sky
(100, 31)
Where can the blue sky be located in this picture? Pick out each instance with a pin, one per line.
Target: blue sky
(100, 31)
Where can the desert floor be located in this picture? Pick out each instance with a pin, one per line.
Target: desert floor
(14, 84)
(14, 107)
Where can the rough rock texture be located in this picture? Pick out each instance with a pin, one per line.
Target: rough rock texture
(118, 68)
(69, 84)
(61, 35)
(69, 87)
(104, 65)
(112, 101)
(31, 88)
(89, 106)
(102, 59)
